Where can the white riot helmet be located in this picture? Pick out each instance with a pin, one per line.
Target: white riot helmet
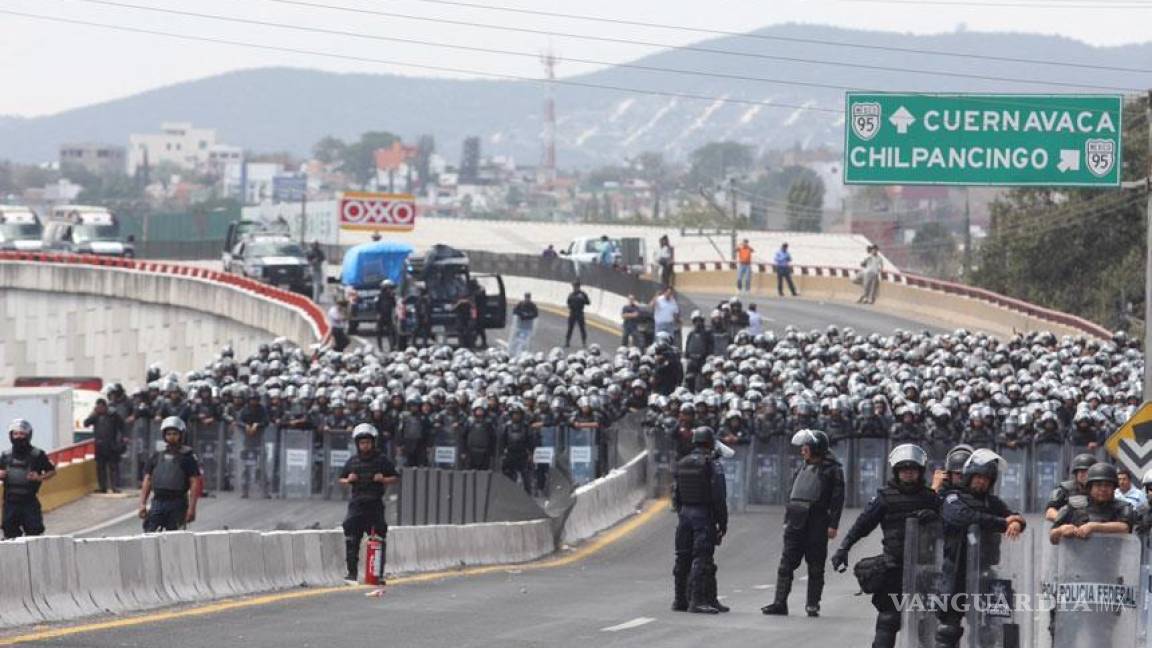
(364, 430)
(20, 425)
(173, 423)
(907, 453)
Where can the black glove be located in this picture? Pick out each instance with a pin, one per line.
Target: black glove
(840, 560)
(720, 533)
(927, 516)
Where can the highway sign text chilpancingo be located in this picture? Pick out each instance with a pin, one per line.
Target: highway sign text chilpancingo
(969, 139)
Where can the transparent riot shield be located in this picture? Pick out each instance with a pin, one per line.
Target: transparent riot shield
(338, 450)
(1001, 587)
(736, 477)
(1144, 629)
(867, 469)
(582, 455)
(248, 465)
(923, 583)
(520, 336)
(937, 452)
(295, 463)
(544, 458)
(1093, 590)
(140, 447)
(445, 446)
(1012, 484)
(210, 445)
(271, 460)
(1047, 473)
(661, 456)
(769, 464)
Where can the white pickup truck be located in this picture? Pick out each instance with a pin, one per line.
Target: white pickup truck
(633, 251)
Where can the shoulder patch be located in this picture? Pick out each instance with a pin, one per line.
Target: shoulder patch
(952, 498)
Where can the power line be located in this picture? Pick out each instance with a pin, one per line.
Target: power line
(1030, 5)
(785, 39)
(692, 48)
(421, 66)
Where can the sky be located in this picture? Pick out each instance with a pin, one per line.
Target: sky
(49, 66)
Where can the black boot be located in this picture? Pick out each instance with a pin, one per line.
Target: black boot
(680, 591)
(698, 602)
(887, 625)
(815, 590)
(710, 591)
(352, 559)
(780, 605)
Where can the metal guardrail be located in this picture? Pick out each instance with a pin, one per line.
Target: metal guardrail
(179, 250)
(927, 283)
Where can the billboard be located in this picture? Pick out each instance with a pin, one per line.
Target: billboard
(362, 210)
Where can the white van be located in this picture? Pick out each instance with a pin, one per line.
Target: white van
(19, 229)
(86, 230)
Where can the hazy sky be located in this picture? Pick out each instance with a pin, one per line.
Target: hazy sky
(48, 67)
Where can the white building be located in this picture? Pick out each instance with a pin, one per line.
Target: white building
(252, 182)
(177, 143)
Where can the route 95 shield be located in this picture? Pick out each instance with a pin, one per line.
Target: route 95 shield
(866, 119)
(1101, 156)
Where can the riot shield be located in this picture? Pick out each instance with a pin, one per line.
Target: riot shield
(295, 463)
(937, 452)
(1047, 472)
(661, 456)
(923, 583)
(867, 471)
(209, 443)
(338, 450)
(736, 477)
(271, 460)
(249, 464)
(544, 458)
(520, 336)
(1092, 588)
(769, 464)
(1144, 629)
(140, 448)
(582, 455)
(1012, 484)
(1000, 587)
(445, 448)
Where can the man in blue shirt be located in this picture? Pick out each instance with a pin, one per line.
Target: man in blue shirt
(783, 265)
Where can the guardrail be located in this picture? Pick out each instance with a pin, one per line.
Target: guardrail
(235, 282)
(75, 453)
(926, 283)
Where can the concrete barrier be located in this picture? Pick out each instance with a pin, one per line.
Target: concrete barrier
(52, 566)
(141, 572)
(98, 575)
(308, 549)
(248, 566)
(280, 564)
(180, 572)
(439, 547)
(17, 606)
(215, 570)
(606, 501)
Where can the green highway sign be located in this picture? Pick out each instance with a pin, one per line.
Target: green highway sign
(982, 139)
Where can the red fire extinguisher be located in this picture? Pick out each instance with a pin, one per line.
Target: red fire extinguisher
(374, 560)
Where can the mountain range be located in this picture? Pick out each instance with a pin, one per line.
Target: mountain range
(283, 109)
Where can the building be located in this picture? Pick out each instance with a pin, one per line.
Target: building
(97, 159)
(177, 143)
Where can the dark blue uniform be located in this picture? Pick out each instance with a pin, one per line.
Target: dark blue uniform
(22, 514)
(700, 498)
(366, 505)
(171, 471)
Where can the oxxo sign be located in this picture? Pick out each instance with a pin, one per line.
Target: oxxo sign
(967, 139)
(361, 210)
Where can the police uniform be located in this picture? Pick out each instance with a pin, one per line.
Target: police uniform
(22, 514)
(1082, 509)
(172, 471)
(516, 441)
(366, 505)
(699, 496)
(890, 509)
(414, 433)
(479, 438)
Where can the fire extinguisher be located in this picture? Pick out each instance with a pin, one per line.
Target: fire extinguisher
(374, 560)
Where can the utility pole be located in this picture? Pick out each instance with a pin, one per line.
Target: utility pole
(1148, 259)
(732, 199)
(967, 238)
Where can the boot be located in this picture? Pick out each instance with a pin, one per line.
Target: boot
(710, 591)
(815, 590)
(698, 602)
(887, 625)
(353, 575)
(779, 606)
(680, 592)
(352, 560)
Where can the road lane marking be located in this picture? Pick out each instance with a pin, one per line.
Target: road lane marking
(628, 625)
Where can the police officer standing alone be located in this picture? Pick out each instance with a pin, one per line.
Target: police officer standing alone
(577, 301)
(810, 520)
(699, 497)
(23, 469)
(108, 432)
(367, 472)
(905, 496)
(385, 308)
(173, 477)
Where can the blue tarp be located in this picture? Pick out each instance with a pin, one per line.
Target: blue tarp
(367, 264)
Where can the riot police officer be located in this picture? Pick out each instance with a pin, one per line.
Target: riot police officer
(23, 469)
(516, 447)
(951, 476)
(367, 473)
(905, 496)
(385, 307)
(414, 430)
(699, 497)
(172, 477)
(698, 346)
(479, 437)
(1077, 485)
(810, 521)
(1097, 512)
(972, 503)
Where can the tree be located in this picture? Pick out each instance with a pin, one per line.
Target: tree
(652, 168)
(359, 159)
(329, 149)
(470, 161)
(425, 149)
(716, 161)
(935, 250)
(805, 207)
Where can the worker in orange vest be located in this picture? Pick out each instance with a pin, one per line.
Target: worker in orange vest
(744, 267)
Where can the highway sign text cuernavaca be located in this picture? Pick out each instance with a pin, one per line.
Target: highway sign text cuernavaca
(969, 139)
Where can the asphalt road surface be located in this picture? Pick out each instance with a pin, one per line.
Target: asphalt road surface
(619, 596)
(806, 314)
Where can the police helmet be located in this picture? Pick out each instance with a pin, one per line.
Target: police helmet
(956, 458)
(364, 430)
(816, 440)
(173, 423)
(907, 455)
(20, 425)
(387, 283)
(983, 462)
(1082, 461)
(1104, 472)
(703, 435)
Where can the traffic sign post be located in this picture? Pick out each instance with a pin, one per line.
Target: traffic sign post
(986, 139)
(1131, 444)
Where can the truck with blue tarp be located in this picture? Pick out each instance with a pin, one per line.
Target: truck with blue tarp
(365, 266)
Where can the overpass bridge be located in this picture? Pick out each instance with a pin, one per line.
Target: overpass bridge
(611, 589)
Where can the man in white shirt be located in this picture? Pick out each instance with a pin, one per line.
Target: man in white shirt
(755, 321)
(666, 312)
(1128, 492)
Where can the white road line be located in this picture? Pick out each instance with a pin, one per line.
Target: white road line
(628, 625)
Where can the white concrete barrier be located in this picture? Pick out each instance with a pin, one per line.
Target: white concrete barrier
(98, 576)
(248, 569)
(306, 546)
(141, 572)
(605, 501)
(179, 568)
(214, 564)
(280, 566)
(16, 604)
(52, 568)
